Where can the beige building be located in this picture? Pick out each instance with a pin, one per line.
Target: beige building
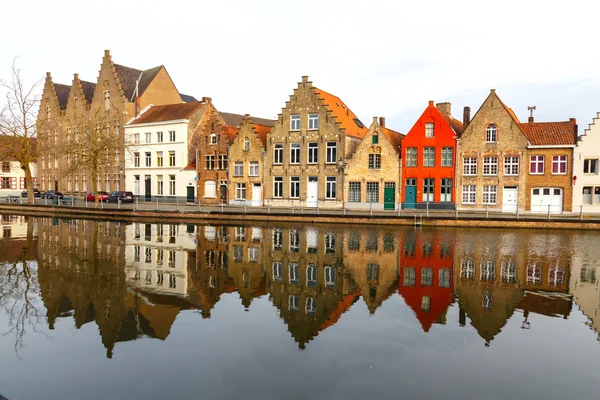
(118, 94)
(373, 171)
(306, 149)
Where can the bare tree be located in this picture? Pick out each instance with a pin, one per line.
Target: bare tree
(18, 124)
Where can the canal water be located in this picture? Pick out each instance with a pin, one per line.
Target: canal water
(103, 310)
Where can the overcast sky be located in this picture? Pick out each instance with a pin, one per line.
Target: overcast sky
(382, 58)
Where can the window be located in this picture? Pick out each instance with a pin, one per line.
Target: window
(136, 159)
(311, 306)
(470, 166)
(171, 158)
(278, 187)
(590, 166)
(294, 187)
(374, 161)
(488, 270)
(491, 134)
(159, 137)
(313, 121)
(6, 183)
(148, 159)
(253, 168)
(467, 269)
(469, 194)
(490, 166)
(444, 278)
(107, 100)
(311, 275)
(213, 139)
(331, 188)
(511, 166)
(374, 138)
(427, 276)
(159, 185)
(172, 185)
(428, 189)
(171, 136)
(148, 137)
(354, 192)
(331, 153)
(446, 190)
(238, 168)
(295, 122)
(294, 241)
(330, 238)
(559, 165)
(277, 239)
(587, 195)
(136, 184)
(410, 182)
(294, 153)
(313, 153)
(223, 162)
(210, 161)
(246, 144)
(240, 191)
(372, 272)
(159, 158)
(372, 192)
(210, 189)
(411, 156)
(429, 157)
(447, 156)
(429, 129)
(489, 194)
(278, 154)
(536, 165)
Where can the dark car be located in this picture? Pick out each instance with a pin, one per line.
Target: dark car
(102, 196)
(50, 194)
(36, 193)
(125, 197)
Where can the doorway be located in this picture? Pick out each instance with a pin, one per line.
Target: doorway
(147, 188)
(410, 193)
(312, 191)
(257, 195)
(389, 196)
(509, 199)
(190, 194)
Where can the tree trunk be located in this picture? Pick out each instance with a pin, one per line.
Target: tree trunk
(28, 184)
(95, 185)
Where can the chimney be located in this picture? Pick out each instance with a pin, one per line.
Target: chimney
(530, 120)
(444, 108)
(137, 106)
(466, 116)
(206, 99)
(382, 122)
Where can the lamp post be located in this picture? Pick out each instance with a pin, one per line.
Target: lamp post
(342, 167)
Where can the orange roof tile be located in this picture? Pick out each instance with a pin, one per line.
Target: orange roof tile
(349, 121)
(347, 301)
(455, 124)
(231, 132)
(262, 131)
(395, 139)
(191, 166)
(551, 133)
(169, 112)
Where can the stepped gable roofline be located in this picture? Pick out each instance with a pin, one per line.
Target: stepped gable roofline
(236, 119)
(563, 133)
(169, 112)
(348, 120)
(62, 94)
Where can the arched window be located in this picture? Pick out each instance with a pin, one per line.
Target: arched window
(213, 138)
(210, 189)
(491, 134)
(246, 144)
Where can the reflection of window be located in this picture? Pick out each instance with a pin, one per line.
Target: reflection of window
(467, 269)
(277, 239)
(508, 271)
(372, 272)
(238, 253)
(388, 242)
(410, 276)
(311, 275)
(371, 242)
(556, 275)
(426, 276)
(240, 233)
(293, 302)
(253, 254)
(311, 306)
(487, 301)
(353, 241)
(294, 240)
(534, 273)
(488, 270)
(426, 303)
(277, 271)
(293, 273)
(330, 243)
(444, 278)
(409, 249)
(330, 277)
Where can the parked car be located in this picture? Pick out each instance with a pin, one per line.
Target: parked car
(50, 194)
(36, 193)
(102, 196)
(125, 197)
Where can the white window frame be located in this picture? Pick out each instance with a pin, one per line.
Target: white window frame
(313, 122)
(159, 158)
(213, 139)
(172, 185)
(295, 153)
(489, 194)
(171, 136)
(331, 153)
(490, 166)
(331, 188)
(470, 166)
(136, 159)
(148, 159)
(469, 194)
(429, 129)
(240, 191)
(159, 185)
(278, 187)
(313, 153)
(590, 170)
(253, 168)
(210, 189)
(537, 161)
(159, 137)
(172, 161)
(429, 194)
(374, 161)
(278, 153)
(491, 134)
(148, 137)
(246, 144)
(294, 187)
(295, 122)
(372, 192)
(560, 160)
(511, 165)
(238, 168)
(354, 189)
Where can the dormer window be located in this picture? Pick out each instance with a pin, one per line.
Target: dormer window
(295, 122)
(491, 135)
(107, 100)
(429, 129)
(213, 138)
(246, 144)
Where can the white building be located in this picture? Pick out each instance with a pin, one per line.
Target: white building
(155, 167)
(12, 177)
(586, 164)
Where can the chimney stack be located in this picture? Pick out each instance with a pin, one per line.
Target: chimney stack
(466, 116)
(382, 122)
(530, 120)
(444, 108)
(206, 99)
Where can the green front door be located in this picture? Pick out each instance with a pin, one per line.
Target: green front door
(389, 196)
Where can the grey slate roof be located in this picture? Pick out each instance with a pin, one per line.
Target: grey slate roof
(62, 92)
(187, 98)
(236, 119)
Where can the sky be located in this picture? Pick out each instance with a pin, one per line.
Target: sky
(382, 58)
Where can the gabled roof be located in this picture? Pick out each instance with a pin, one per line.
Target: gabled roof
(62, 93)
(169, 112)
(395, 139)
(349, 121)
(187, 98)
(129, 76)
(508, 110)
(455, 124)
(88, 90)
(562, 133)
(236, 119)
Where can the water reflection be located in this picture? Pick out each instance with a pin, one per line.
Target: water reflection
(133, 279)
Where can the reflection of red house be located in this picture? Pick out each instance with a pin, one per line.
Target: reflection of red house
(426, 277)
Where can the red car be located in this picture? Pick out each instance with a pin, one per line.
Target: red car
(102, 196)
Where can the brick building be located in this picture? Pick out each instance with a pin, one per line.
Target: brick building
(372, 172)
(307, 147)
(428, 165)
(118, 94)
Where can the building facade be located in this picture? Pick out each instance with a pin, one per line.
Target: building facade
(155, 166)
(428, 165)
(117, 96)
(307, 148)
(246, 169)
(492, 160)
(586, 166)
(372, 173)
